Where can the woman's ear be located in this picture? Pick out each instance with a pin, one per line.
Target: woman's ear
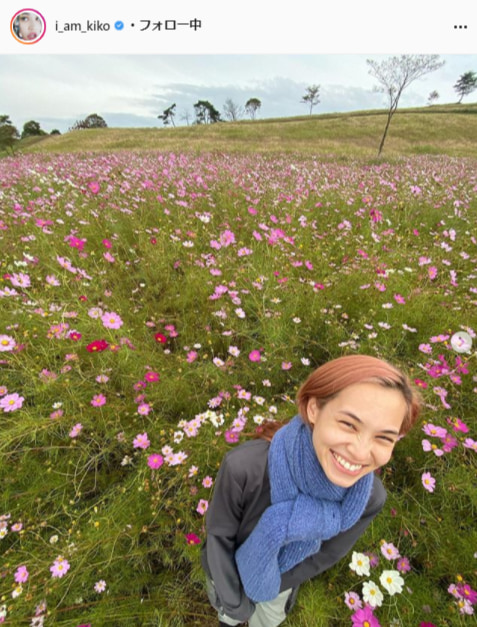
(312, 410)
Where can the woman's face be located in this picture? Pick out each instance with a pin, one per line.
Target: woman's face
(356, 431)
(30, 26)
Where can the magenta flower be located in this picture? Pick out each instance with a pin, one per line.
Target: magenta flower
(191, 538)
(434, 431)
(231, 436)
(60, 567)
(403, 565)
(111, 320)
(155, 461)
(467, 593)
(21, 574)
(93, 187)
(255, 356)
(428, 481)
(141, 441)
(191, 356)
(151, 376)
(399, 299)
(11, 402)
(365, 618)
(98, 400)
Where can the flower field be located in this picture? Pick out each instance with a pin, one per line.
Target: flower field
(155, 308)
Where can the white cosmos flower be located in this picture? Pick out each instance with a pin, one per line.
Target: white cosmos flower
(392, 581)
(372, 595)
(360, 564)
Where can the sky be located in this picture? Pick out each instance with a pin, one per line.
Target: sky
(132, 90)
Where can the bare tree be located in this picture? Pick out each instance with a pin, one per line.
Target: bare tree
(186, 116)
(312, 96)
(252, 106)
(397, 73)
(232, 111)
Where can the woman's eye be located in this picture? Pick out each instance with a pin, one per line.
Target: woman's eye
(347, 424)
(386, 439)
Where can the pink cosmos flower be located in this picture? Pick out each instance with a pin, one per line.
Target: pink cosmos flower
(470, 443)
(60, 567)
(76, 430)
(93, 187)
(255, 356)
(107, 243)
(434, 431)
(353, 601)
(98, 400)
(144, 409)
(191, 356)
(7, 343)
(432, 272)
(207, 482)
(389, 551)
(141, 441)
(21, 574)
(399, 299)
(202, 507)
(286, 365)
(100, 586)
(20, 280)
(428, 481)
(227, 238)
(111, 320)
(11, 402)
(155, 461)
(458, 425)
(191, 538)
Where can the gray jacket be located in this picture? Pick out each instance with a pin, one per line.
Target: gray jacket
(241, 494)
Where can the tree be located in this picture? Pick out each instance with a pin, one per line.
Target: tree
(186, 116)
(206, 113)
(8, 134)
(466, 84)
(433, 96)
(252, 106)
(232, 111)
(312, 96)
(397, 73)
(31, 128)
(168, 115)
(91, 121)
(55, 131)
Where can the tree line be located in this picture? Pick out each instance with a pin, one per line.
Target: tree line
(394, 75)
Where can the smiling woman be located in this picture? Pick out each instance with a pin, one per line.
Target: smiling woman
(290, 504)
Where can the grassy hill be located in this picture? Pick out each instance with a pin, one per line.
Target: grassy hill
(440, 129)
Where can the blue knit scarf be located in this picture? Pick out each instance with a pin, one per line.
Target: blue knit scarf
(306, 508)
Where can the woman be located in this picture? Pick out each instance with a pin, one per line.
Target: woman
(289, 505)
(28, 26)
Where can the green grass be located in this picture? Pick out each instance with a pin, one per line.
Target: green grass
(440, 129)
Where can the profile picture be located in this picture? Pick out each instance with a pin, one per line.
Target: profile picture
(28, 26)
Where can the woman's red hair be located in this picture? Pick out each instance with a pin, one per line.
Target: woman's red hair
(331, 378)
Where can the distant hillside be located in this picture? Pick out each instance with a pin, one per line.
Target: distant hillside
(439, 129)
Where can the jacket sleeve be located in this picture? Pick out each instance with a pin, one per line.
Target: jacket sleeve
(223, 520)
(334, 549)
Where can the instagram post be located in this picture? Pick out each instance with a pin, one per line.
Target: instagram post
(238, 315)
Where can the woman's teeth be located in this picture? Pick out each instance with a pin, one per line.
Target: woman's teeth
(345, 464)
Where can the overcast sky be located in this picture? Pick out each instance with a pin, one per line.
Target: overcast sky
(132, 90)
